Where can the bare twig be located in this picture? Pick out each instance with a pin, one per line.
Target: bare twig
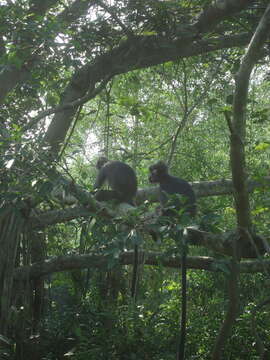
(189, 110)
(126, 30)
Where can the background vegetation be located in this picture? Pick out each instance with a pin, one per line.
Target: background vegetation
(136, 81)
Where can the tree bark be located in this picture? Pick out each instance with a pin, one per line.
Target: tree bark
(72, 262)
(238, 128)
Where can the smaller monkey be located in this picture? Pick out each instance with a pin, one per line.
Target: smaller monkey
(170, 185)
(120, 177)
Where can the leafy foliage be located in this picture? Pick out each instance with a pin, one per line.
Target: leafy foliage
(158, 90)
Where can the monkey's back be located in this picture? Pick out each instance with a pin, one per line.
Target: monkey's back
(174, 185)
(121, 178)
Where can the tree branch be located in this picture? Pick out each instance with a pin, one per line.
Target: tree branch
(202, 189)
(219, 10)
(110, 10)
(237, 153)
(233, 303)
(72, 262)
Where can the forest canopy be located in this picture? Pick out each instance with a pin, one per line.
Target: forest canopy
(185, 82)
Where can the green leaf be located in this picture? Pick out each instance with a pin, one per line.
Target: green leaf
(262, 146)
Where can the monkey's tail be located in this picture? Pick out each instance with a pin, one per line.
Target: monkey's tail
(181, 347)
(135, 273)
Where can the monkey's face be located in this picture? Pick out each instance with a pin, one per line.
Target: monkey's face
(154, 175)
(158, 172)
(101, 162)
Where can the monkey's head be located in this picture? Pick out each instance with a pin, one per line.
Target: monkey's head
(157, 171)
(102, 160)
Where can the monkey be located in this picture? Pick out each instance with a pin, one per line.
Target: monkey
(121, 178)
(168, 186)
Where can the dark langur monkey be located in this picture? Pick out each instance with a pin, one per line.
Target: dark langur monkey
(120, 177)
(122, 180)
(170, 185)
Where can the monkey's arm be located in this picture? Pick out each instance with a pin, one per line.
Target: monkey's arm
(101, 177)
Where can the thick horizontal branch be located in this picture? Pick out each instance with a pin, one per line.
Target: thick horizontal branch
(72, 262)
(206, 188)
(202, 189)
(223, 242)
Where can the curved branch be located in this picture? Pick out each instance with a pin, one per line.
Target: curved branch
(237, 153)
